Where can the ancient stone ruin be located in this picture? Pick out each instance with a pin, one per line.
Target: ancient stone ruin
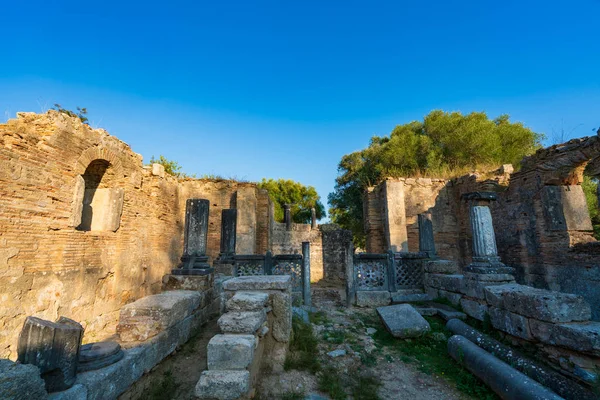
(109, 268)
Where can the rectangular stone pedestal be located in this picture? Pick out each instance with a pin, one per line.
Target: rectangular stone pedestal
(197, 283)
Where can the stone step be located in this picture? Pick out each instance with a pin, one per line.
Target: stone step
(403, 321)
(247, 301)
(223, 385)
(242, 321)
(447, 312)
(231, 352)
(410, 298)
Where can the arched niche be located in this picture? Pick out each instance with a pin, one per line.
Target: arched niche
(98, 205)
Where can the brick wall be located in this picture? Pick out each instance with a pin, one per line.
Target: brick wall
(48, 267)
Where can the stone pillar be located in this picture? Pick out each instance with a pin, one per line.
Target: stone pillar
(287, 216)
(426, 240)
(54, 348)
(195, 260)
(228, 233)
(313, 218)
(306, 273)
(484, 238)
(350, 283)
(485, 253)
(394, 216)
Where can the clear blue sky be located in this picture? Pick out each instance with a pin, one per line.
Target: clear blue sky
(283, 89)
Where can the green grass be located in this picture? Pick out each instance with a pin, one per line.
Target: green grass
(431, 357)
(366, 388)
(293, 396)
(336, 336)
(330, 382)
(303, 354)
(319, 318)
(163, 389)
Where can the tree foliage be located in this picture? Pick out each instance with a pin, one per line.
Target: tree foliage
(590, 189)
(81, 113)
(301, 198)
(444, 145)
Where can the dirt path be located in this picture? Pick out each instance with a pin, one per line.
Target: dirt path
(176, 376)
(385, 372)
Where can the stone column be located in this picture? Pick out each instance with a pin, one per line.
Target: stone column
(228, 233)
(313, 218)
(426, 240)
(287, 216)
(350, 283)
(306, 273)
(195, 260)
(484, 238)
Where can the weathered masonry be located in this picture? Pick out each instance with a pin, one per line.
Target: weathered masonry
(540, 216)
(86, 228)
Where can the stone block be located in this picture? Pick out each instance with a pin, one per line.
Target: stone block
(247, 301)
(259, 282)
(158, 170)
(77, 392)
(403, 321)
(410, 298)
(473, 308)
(583, 337)
(474, 284)
(241, 321)
(53, 347)
(453, 298)
(21, 382)
(372, 298)
(301, 313)
(450, 283)
(282, 316)
(228, 352)
(441, 267)
(544, 305)
(513, 324)
(151, 315)
(198, 283)
(223, 385)
(447, 313)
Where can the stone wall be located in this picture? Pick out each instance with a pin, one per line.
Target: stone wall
(327, 244)
(557, 323)
(52, 263)
(391, 211)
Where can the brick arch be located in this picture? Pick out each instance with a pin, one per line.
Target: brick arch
(98, 153)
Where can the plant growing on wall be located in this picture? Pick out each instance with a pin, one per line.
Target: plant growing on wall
(301, 198)
(171, 167)
(81, 113)
(442, 145)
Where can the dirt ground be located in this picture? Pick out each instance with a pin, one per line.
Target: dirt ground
(177, 375)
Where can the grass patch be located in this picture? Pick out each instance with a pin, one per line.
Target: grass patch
(319, 318)
(431, 357)
(366, 388)
(336, 336)
(293, 395)
(331, 383)
(163, 389)
(303, 354)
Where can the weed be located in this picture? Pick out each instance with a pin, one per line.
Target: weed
(336, 336)
(368, 360)
(331, 383)
(293, 395)
(431, 357)
(303, 354)
(163, 389)
(365, 388)
(319, 318)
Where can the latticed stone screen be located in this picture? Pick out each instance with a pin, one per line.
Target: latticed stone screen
(409, 273)
(371, 274)
(246, 268)
(290, 267)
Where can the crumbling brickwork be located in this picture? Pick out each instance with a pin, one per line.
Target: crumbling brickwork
(50, 265)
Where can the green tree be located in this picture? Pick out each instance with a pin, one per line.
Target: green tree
(81, 113)
(590, 189)
(171, 167)
(442, 145)
(301, 198)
